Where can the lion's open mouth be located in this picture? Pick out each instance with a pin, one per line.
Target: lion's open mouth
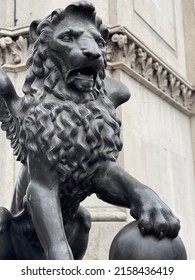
(82, 78)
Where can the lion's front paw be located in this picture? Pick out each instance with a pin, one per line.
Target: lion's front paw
(160, 222)
(155, 217)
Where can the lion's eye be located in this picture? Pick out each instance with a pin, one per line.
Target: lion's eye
(101, 43)
(65, 37)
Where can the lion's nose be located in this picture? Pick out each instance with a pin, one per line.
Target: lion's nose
(91, 54)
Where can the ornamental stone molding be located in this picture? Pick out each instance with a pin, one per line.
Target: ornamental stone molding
(124, 52)
(13, 51)
(14, 45)
(127, 53)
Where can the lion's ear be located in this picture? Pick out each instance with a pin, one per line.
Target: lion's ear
(33, 29)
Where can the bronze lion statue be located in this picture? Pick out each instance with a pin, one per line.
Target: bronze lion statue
(66, 134)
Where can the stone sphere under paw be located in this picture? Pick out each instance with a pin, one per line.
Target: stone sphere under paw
(130, 244)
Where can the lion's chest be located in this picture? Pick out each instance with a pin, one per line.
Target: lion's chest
(74, 138)
(94, 135)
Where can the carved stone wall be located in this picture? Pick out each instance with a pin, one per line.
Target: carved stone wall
(150, 51)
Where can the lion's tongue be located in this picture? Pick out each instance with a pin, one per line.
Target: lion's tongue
(82, 82)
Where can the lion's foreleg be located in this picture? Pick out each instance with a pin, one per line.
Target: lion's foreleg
(117, 187)
(44, 205)
(77, 231)
(21, 185)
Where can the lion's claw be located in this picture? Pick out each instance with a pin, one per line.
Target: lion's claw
(160, 227)
(154, 216)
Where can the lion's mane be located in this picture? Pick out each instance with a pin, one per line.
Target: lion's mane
(74, 135)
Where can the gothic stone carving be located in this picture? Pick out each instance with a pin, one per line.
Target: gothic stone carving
(13, 51)
(122, 47)
(65, 132)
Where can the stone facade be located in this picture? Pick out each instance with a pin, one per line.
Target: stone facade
(151, 50)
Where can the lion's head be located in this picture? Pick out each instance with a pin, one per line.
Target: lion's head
(67, 114)
(70, 48)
